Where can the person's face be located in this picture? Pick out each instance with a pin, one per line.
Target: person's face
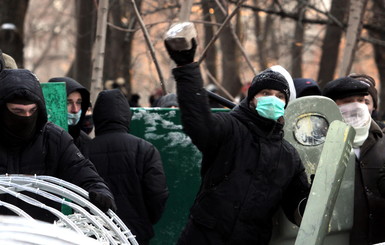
(369, 103)
(74, 102)
(269, 92)
(351, 99)
(22, 110)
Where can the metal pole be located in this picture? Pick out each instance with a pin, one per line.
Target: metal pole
(221, 100)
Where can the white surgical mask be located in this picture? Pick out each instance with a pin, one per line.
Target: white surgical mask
(357, 115)
(73, 119)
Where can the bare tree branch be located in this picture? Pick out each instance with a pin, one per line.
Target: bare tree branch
(212, 78)
(330, 18)
(215, 37)
(356, 12)
(150, 46)
(150, 25)
(239, 44)
(373, 41)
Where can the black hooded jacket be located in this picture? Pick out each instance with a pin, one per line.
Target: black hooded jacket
(80, 137)
(51, 150)
(248, 170)
(131, 166)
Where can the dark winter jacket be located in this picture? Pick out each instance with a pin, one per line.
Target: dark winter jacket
(131, 166)
(51, 150)
(248, 170)
(80, 137)
(369, 206)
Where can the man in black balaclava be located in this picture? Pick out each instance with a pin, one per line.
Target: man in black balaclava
(19, 118)
(78, 101)
(29, 144)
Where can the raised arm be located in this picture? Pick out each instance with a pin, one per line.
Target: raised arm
(199, 123)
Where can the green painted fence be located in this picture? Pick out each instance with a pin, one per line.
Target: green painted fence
(181, 161)
(55, 96)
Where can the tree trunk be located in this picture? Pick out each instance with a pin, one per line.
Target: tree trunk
(331, 43)
(115, 47)
(211, 56)
(99, 50)
(378, 9)
(123, 48)
(356, 12)
(118, 53)
(297, 46)
(230, 61)
(12, 15)
(127, 47)
(81, 69)
(261, 39)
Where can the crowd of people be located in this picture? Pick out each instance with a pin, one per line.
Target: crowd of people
(248, 170)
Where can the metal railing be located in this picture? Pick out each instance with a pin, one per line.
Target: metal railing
(87, 219)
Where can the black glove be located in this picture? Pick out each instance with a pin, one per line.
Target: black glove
(102, 201)
(182, 57)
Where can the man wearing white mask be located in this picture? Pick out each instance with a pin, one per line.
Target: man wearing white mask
(369, 144)
(371, 100)
(78, 101)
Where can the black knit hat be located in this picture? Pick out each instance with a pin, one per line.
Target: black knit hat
(269, 79)
(345, 87)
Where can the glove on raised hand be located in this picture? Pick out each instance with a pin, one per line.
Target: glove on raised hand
(102, 201)
(182, 57)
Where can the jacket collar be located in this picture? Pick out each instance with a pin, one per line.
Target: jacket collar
(375, 134)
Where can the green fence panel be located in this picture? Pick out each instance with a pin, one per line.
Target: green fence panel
(181, 161)
(55, 96)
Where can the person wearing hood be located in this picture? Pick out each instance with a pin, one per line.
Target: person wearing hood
(131, 166)
(78, 102)
(30, 144)
(248, 170)
(368, 146)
